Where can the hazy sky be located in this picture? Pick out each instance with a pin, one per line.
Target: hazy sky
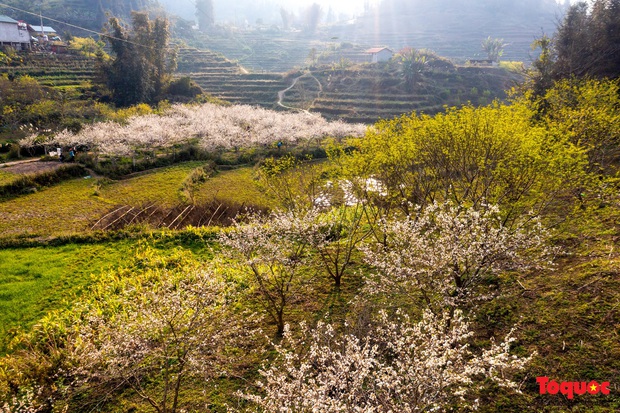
(224, 9)
(337, 5)
(350, 6)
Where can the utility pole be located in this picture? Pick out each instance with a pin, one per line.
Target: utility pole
(41, 18)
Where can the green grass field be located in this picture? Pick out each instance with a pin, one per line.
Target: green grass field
(74, 206)
(36, 280)
(6, 177)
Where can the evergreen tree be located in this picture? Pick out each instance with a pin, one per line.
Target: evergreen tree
(143, 62)
(588, 42)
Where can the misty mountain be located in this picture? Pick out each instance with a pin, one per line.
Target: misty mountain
(452, 28)
(455, 28)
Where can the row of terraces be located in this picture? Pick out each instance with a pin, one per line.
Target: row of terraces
(459, 35)
(190, 60)
(260, 52)
(354, 92)
(367, 93)
(227, 80)
(59, 71)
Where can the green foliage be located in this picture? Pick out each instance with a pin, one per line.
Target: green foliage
(494, 48)
(587, 112)
(184, 87)
(143, 62)
(540, 76)
(61, 357)
(413, 63)
(587, 41)
(34, 281)
(26, 183)
(89, 47)
(469, 156)
(198, 176)
(291, 182)
(4, 59)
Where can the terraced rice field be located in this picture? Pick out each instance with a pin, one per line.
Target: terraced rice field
(227, 80)
(351, 92)
(59, 71)
(355, 93)
(453, 33)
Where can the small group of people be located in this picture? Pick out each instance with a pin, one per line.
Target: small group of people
(71, 158)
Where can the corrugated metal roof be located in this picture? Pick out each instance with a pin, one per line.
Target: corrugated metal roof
(6, 19)
(46, 29)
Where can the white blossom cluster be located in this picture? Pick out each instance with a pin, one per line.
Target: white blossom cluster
(214, 127)
(161, 325)
(444, 251)
(399, 366)
(274, 252)
(26, 403)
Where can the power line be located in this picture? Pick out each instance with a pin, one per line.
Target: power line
(75, 27)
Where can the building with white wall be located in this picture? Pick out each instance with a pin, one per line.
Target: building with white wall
(380, 54)
(14, 33)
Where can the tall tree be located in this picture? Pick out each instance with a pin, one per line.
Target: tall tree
(588, 41)
(573, 42)
(313, 16)
(287, 18)
(143, 62)
(542, 72)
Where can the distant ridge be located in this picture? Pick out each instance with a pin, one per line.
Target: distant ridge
(455, 28)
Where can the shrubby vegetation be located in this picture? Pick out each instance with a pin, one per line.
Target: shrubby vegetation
(89, 47)
(470, 156)
(392, 257)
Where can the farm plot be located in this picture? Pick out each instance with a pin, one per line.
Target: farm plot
(75, 206)
(57, 71)
(35, 280)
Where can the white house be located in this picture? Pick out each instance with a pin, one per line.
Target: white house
(379, 54)
(14, 33)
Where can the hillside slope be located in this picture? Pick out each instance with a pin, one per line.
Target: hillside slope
(90, 14)
(452, 28)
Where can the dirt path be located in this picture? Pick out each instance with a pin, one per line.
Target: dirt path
(30, 166)
(283, 92)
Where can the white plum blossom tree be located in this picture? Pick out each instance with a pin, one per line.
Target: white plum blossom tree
(398, 366)
(274, 253)
(443, 252)
(213, 127)
(153, 333)
(335, 236)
